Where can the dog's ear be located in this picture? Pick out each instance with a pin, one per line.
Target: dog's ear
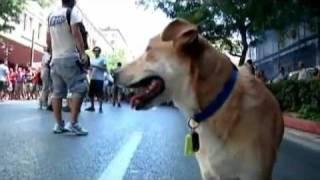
(180, 32)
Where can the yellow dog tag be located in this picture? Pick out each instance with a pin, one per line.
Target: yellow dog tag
(188, 147)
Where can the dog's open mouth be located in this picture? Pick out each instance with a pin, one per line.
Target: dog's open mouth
(148, 89)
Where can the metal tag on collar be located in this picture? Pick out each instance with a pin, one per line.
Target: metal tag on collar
(192, 143)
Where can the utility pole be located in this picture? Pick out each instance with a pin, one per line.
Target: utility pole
(32, 48)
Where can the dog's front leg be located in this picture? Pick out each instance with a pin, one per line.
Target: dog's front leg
(206, 172)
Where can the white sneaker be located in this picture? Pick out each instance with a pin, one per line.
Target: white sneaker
(77, 129)
(60, 128)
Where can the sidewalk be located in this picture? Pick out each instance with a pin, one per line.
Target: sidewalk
(291, 121)
(306, 139)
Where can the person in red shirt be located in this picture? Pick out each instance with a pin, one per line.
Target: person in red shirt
(36, 82)
(12, 79)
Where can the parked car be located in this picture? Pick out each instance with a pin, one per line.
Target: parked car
(294, 75)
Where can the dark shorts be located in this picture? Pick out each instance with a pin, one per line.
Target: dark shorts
(96, 88)
(117, 91)
(2, 86)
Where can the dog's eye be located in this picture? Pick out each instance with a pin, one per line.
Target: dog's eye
(148, 48)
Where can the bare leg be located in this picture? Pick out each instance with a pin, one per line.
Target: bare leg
(119, 99)
(57, 106)
(75, 109)
(92, 102)
(100, 103)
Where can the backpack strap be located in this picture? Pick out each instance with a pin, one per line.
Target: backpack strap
(69, 11)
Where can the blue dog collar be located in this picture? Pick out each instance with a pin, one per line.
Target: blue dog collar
(216, 103)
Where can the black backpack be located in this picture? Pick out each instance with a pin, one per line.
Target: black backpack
(83, 30)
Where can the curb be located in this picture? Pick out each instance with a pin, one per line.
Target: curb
(302, 125)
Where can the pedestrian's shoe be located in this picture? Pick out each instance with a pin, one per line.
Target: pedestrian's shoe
(119, 105)
(60, 128)
(77, 129)
(49, 108)
(100, 110)
(91, 109)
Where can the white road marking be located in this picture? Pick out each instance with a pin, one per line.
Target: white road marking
(120, 163)
(25, 120)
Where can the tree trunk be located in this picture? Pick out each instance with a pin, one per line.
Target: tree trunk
(244, 43)
(243, 55)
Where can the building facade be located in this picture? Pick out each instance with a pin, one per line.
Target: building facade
(95, 35)
(25, 44)
(118, 42)
(276, 51)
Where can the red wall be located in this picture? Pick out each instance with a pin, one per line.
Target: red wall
(21, 54)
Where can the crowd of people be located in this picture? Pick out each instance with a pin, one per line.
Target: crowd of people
(19, 83)
(100, 83)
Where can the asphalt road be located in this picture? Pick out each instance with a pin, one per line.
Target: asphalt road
(122, 144)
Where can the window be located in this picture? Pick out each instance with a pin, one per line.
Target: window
(39, 30)
(30, 21)
(25, 22)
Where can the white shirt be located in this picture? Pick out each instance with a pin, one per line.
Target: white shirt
(4, 71)
(98, 73)
(63, 44)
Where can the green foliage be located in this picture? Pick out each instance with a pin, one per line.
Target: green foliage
(234, 24)
(118, 55)
(9, 12)
(44, 3)
(299, 96)
(309, 112)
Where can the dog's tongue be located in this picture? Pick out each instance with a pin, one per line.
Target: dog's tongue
(139, 100)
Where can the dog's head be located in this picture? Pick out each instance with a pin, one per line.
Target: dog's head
(168, 69)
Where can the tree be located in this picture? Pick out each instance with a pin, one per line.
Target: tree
(9, 12)
(116, 56)
(232, 25)
(44, 3)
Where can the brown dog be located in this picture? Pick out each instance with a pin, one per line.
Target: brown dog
(241, 138)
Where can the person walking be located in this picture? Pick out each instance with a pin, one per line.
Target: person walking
(46, 80)
(281, 76)
(117, 91)
(98, 68)
(250, 67)
(4, 77)
(67, 47)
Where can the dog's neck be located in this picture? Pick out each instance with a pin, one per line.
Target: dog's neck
(209, 73)
(213, 71)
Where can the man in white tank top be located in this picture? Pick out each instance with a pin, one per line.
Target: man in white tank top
(66, 45)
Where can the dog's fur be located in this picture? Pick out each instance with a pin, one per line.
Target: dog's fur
(241, 140)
